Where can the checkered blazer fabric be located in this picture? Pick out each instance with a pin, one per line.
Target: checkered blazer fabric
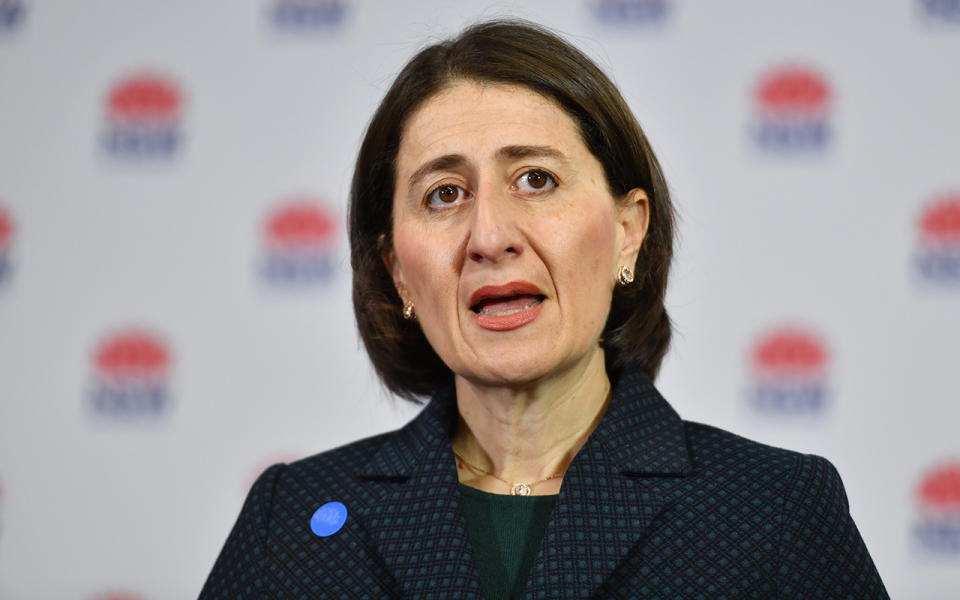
(651, 507)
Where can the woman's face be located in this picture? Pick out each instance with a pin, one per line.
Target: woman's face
(505, 235)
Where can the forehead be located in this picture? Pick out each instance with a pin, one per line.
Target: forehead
(479, 118)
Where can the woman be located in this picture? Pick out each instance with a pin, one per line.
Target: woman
(511, 235)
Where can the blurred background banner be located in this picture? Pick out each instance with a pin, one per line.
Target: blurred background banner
(175, 285)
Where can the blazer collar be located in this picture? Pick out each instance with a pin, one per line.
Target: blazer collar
(608, 498)
(640, 432)
(401, 454)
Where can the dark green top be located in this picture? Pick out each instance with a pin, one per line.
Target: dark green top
(505, 532)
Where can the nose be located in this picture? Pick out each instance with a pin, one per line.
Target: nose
(494, 235)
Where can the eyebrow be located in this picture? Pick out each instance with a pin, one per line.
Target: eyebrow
(515, 152)
(442, 163)
(454, 161)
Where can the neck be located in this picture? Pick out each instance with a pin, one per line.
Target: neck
(529, 433)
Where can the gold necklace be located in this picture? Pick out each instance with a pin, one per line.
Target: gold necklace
(516, 489)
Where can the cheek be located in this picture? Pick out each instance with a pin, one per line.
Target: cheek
(424, 270)
(597, 287)
(597, 258)
(414, 264)
(584, 257)
(432, 288)
(595, 246)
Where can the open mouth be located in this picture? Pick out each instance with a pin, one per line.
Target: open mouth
(507, 305)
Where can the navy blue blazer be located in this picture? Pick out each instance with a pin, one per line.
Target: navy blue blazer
(651, 507)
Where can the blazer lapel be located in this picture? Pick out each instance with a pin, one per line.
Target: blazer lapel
(607, 502)
(609, 496)
(417, 525)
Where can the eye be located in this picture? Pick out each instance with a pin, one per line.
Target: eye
(445, 195)
(536, 181)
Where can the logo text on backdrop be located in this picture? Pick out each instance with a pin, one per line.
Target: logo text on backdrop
(299, 239)
(791, 111)
(944, 11)
(11, 15)
(937, 254)
(306, 15)
(131, 372)
(142, 120)
(788, 371)
(937, 528)
(625, 13)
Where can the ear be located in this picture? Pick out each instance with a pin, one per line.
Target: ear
(389, 258)
(633, 217)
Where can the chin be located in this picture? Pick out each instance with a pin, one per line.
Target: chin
(507, 376)
(511, 372)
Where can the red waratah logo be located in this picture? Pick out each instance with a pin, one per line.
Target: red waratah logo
(306, 15)
(938, 500)
(792, 91)
(938, 246)
(6, 241)
(298, 239)
(143, 117)
(145, 98)
(131, 370)
(789, 352)
(132, 354)
(940, 221)
(6, 229)
(788, 372)
(791, 110)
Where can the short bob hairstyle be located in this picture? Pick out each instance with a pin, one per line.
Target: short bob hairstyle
(637, 332)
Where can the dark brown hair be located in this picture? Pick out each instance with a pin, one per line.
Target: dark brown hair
(637, 332)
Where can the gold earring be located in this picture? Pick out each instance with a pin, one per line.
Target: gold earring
(625, 275)
(409, 312)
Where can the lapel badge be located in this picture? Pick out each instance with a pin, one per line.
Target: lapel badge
(328, 519)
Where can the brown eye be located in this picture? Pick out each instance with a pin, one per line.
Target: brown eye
(448, 194)
(536, 179)
(445, 195)
(535, 182)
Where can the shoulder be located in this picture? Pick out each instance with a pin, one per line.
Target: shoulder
(344, 460)
(332, 475)
(783, 477)
(796, 504)
(274, 535)
(711, 447)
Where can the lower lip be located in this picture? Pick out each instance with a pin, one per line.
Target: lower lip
(508, 322)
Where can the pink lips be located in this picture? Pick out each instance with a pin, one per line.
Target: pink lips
(506, 307)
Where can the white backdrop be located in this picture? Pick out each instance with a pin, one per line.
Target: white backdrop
(174, 282)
